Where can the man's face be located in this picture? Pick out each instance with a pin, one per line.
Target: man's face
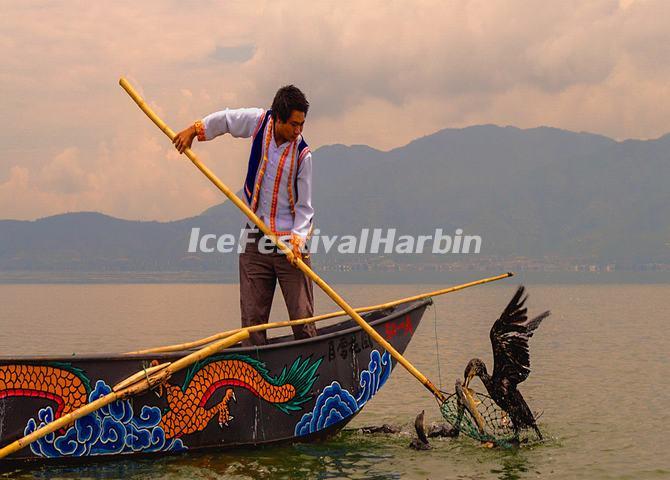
(289, 130)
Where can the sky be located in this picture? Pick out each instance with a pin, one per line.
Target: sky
(380, 73)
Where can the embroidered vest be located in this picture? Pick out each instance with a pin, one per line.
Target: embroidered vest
(251, 189)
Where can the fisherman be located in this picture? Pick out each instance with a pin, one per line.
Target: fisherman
(278, 188)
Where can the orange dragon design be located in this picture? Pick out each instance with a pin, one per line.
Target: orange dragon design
(188, 409)
(62, 384)
(188, 412)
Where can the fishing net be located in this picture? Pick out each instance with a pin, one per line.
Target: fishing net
(479, 418)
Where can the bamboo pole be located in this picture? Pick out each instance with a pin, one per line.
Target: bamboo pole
(134, 385)
(290, 323)
(283, 247)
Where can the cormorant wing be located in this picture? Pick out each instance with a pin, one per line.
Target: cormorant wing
(509, 339)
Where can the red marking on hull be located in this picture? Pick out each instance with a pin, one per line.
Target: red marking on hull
(392, 329)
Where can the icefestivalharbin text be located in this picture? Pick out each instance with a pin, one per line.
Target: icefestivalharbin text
(375, 241)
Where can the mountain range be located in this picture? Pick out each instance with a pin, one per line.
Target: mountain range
(537, 193)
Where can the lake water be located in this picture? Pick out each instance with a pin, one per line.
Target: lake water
(600, 375)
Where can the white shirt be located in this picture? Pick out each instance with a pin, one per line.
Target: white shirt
(242, 123)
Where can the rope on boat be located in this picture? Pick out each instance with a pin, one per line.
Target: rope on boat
(156, 388)
(437, 348)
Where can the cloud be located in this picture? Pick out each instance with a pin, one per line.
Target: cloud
(148, 179)
(375, 72)
(65, 175)
(236, 54)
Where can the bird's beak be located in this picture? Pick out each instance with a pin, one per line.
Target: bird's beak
(467, 380)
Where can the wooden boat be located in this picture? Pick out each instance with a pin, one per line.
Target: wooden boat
(286, 391)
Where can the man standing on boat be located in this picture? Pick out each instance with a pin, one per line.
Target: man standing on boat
(278, 188)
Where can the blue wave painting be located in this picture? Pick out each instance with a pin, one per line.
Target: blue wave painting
(335, 404)
(114, 429)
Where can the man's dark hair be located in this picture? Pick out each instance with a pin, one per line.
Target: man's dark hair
(286, 100)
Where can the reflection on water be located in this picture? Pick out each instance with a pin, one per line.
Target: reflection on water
(513, 465)
(599, 364)
(349, 456)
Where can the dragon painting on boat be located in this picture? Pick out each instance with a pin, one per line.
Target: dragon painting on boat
(286, 391)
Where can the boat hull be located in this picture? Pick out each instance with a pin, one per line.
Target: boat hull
(287, 391)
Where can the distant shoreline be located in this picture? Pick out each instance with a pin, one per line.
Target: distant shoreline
(442, 278)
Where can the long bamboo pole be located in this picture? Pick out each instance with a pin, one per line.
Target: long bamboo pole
(302, 321)
(134, 385)
(283, 247)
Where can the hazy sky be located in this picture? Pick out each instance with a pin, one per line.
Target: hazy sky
(379, 73)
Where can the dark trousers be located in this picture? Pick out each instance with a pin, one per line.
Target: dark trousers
(259, 273)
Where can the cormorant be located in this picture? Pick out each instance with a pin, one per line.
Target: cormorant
(385, 428)
(442, 430)
(421, 442)
(511, 362)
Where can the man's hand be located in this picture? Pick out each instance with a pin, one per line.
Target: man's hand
(297, 244)
(184, 139)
